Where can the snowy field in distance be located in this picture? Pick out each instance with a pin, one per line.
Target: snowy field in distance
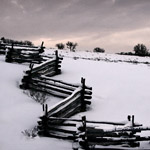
(119, 89)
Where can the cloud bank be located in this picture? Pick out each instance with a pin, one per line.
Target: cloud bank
(115, 25)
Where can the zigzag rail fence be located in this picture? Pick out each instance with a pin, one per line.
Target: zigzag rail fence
(5, 46)
(25, 54)
(76, 102)
(88, 134)
(76, 96)
(56, 121)
(94, 137)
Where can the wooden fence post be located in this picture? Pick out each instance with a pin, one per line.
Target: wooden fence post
(84, 142)
(57, 62)
(31, 68)
(83, 105)
(43, 107)
(41, 48)
(26, 79)
(84, 122)
(46, 110)
(129, 118)
(9, 54)
(29, 75)
(43, 124)
(132, 120)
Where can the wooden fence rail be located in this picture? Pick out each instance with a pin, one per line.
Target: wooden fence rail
(74, 103)
(24, 55)
(76, 97)
(2, 48)
(38, 78)
(5, 46)
(90, 136)
(87, 135)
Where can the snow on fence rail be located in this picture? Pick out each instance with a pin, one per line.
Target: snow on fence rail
(76, 96)
(87, 134)
(37, 77)
(90, 136)
(23, 55)
(2, 48)
(48, 68)
(71, 105)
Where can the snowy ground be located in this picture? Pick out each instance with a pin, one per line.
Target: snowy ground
(119, 89)
(100, 56)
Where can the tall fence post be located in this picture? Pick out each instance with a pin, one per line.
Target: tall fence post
(57, 62)
(41, 48)
(132, 120)
(83, 105)
(9, 54)
(83, 135)
(46, 110)
(26, 79)
(43, 124)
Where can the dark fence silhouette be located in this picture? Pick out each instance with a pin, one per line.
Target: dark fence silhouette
(56, 121)
(90, 136)
(37, 77)
(25, 55)
(2, 48)
(87, 134)
(76, 101)
(76, 97)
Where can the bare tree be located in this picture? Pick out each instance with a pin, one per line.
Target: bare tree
(72, 46)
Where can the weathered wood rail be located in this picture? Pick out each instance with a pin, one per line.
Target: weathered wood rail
(90, 137)
(24, 55)
(76, 96)
(38, 78)
(2, 48)
(88, 134)
(77, 100)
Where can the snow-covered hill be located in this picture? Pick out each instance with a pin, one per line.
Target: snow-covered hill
(119, 89)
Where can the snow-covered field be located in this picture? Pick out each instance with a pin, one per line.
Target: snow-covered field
(119, 89)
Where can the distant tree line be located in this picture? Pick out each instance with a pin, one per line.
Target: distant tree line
(16, 42)
(138, 50)
(70, 45)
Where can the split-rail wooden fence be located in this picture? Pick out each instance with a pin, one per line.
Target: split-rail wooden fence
(24, 54)
(94, 137)
(38, 77)
(77, 100)
(56, 121)
(76, 97)
(5, 46)
(89, 135)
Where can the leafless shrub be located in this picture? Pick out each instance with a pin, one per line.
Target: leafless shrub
(31, 133)
(39, 97)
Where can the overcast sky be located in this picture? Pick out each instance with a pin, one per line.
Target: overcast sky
(115, 25)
